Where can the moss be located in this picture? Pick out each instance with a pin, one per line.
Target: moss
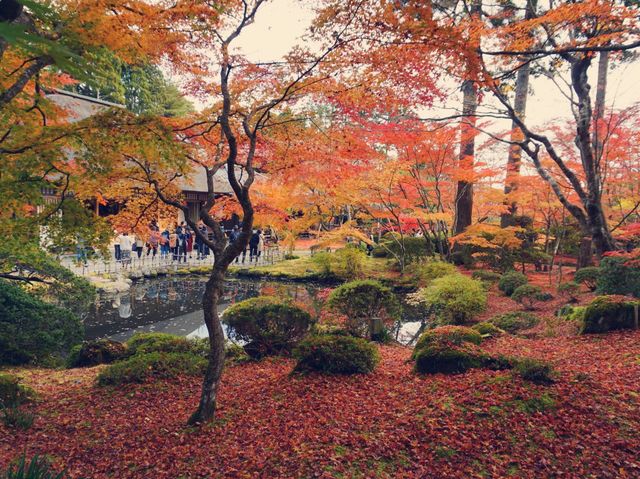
(143, 343)
(92, 353)
(453, 334)
(487, 329)
(535, 371)
(486, 275)
(609, 313)
(515, 321)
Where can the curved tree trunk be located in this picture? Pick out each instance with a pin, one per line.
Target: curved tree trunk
(213, 292)
(464, 192)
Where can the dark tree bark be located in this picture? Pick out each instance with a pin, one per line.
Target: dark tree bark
(464, 191)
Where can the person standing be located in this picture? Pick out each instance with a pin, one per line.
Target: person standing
(164, 243)
(154, 240)
(125, 248)
(189, 242)
(173, 245)
(253, 246)
(260, 244)
(116, 245)
(139, 245)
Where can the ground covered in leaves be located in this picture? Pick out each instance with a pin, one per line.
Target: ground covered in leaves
(391, 423)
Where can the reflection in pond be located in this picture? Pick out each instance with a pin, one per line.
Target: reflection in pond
(173, 305)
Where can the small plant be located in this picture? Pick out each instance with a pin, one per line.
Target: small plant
(536, 404)
(348, 262)
(569, 290)
(487, 329)
(509, 282)
(17, 418)
(12, 393)
(450, 334)
(289, 257)
(455, 298)
(235, 354)
(527, 295)
(535, 371)
(367, 306)
(140, 367)
(448, 358)
(267, 325)
(515, 321)
(486, 276)
(37, 468)
(334, 354)
(588, 276)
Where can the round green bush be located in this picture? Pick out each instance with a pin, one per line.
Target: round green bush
(588, 276)
(515, 321)
(367, 305)
(141, 367)
(449, 334)
(534, 370)
(32, 331)
(511, 281)
(335, 354)
(487, 329)
(415, 248)
(569, 290)
(609, 313)
(98, 351)
(617, 277)
(527, 295)
(424, 273)
(455, 298)
(448, 358)
(267, 325)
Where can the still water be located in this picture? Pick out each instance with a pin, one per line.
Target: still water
(173, 305)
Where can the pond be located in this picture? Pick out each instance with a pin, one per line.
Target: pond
(173, 305)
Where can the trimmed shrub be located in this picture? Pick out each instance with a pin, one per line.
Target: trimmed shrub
(618, 278)
(450, 334)
(267, 325)
(424, 273)
(334, 354)
(510, 281)
(455, 298)
(487, 329)
(569, 290)
(588, 276)
(527, 295)
(448, 358)
(348, 262)
(37, 468)
(486, 275)
(609, 313)
(367, 306)
(98, 351)
(141, 367)
(534, 370)
(234, 353)
(515, 321)
(32, 331)
(12, 393)
(144, 343)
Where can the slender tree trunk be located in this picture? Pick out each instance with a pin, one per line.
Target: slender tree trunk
(514, 159)
(208, 397)
(464, 192)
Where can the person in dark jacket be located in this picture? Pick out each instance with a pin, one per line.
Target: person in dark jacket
(253, 245)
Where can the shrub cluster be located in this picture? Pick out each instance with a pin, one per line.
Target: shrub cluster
(415, 249)
(32, 331)
(267, 325)
(455, 298)
(510, 281)
(449, 350)
(515, 321)
(609, 313)
(588, 276)
(346, 263)
(336, 354)
(616, 277)
(12, 393)
(423, 273)
(527, 295)
(94, 352)
(367, 306)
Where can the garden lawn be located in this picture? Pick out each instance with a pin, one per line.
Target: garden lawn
(390, 424)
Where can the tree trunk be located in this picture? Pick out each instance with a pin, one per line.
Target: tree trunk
(464, 193)
(514, 159)
(213, 374)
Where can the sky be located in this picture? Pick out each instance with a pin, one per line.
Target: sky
(280, 24)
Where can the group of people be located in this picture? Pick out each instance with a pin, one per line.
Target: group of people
(180, 243)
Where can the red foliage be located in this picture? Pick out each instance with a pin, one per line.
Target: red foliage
(391, 423)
